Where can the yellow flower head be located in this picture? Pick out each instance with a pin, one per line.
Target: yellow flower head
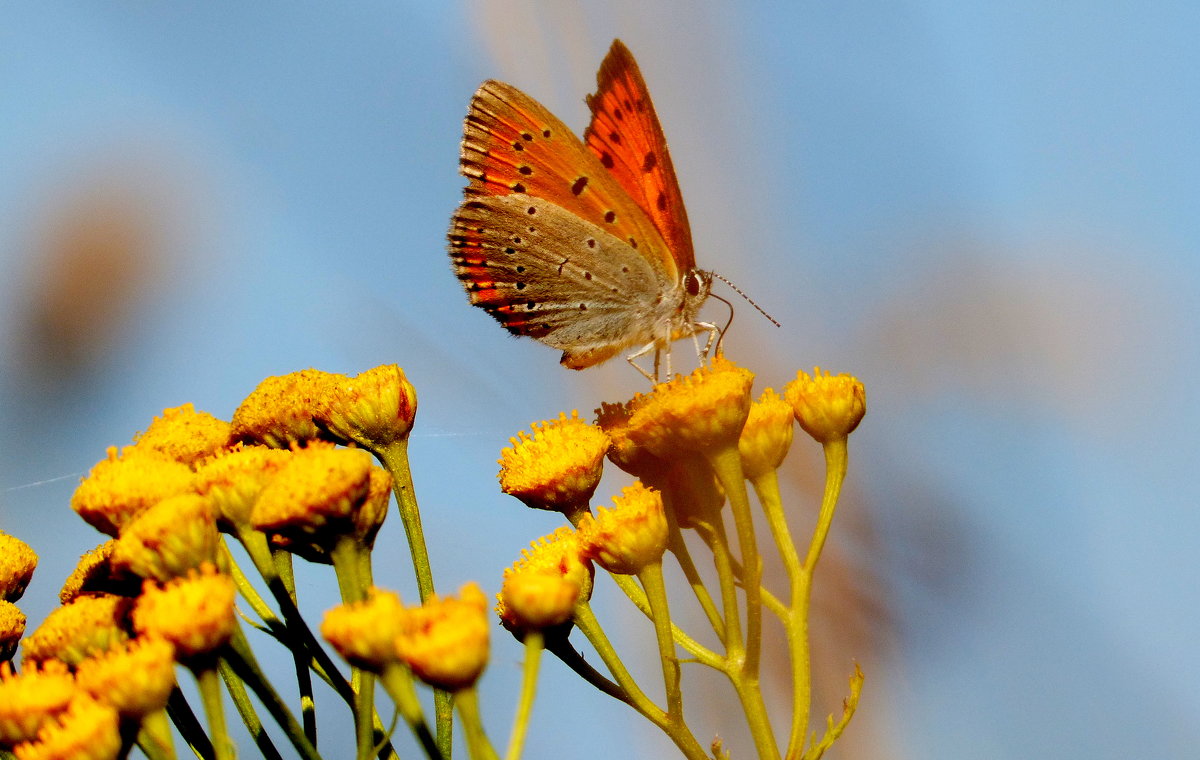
(364, 633)
(233, 479)
(136, 678)
(168, 539)
(542, 588)
(17, 562)
(94, 573)
(445, 640)
(556, 468)
(315, 495)
(695, 413)
(195, 612)
(369, 516)
(184, 435)
(76, 631)
(279, 412)
(374, 409)
(628, 537)
(29, 700)
(120, 488)
(767, 435)
(828, 407)
(623, 451)
(87, 730)
(12, 628)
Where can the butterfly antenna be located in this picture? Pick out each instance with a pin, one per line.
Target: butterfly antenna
(749, 300)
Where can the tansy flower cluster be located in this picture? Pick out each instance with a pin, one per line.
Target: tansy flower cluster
(204, 519)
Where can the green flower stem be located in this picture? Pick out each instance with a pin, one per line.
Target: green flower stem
(674, 728)
(836, 461)
(395, 460)
(180, 713)
(533, 657)
(478, 746)
(347, 565)
(560, 647)
(209, 684)
(154, 736)
(283, 568)
(727, 464)
(701, 653)
(795, 617)
(397, 681)
(246, 589)
(241, 661)
(245, 708)
(713, 535)
(651, 578)
(678, 548)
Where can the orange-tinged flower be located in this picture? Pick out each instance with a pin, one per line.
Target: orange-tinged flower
(175, 535)
(828, 407)
(75, 631)
(692, 492)
(120, 488)
(626, 453)
(194, 612)
(767, 436)
(364, 633)
(184, 435)
(17, 562)
(279, 412)
(12, 628)
(94, 574)
(552, 564)
(136, 678)
(316, 494)
(374, 409)
(233, 479)
(628, 537)
(704, 410)
(373, 509)
(445, 640)
(87, 730)
(29, 700)
(556, 468)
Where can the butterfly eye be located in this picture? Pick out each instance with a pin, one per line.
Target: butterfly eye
(691, 283)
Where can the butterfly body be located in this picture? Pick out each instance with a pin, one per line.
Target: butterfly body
(583, 246)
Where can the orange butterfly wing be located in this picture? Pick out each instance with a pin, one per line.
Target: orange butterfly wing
(628, 140)
(513, 144)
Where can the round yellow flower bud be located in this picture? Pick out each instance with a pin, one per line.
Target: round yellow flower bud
(695, 413)
(120, 488)
(626, 453)
(279, 412)
(30, 700)
(136, 678)
(767, 436)
(828, 407)
(194, 612)
(630, 536)
(556, 468)
(87, 730)
(184, 435)
(364, 633)
(94, 574)
(533, 599)
(168, 539)
(233, 479)
(315, 495)
(445, 641)
(76, 631)
(17, 562)
(374, 409)
(12, 628)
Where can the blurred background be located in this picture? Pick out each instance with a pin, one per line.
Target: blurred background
(987, 212)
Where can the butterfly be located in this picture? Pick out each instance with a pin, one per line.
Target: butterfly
(583, 245)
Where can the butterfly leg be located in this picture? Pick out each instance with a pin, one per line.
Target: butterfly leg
(714, 334)
(642, 352)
